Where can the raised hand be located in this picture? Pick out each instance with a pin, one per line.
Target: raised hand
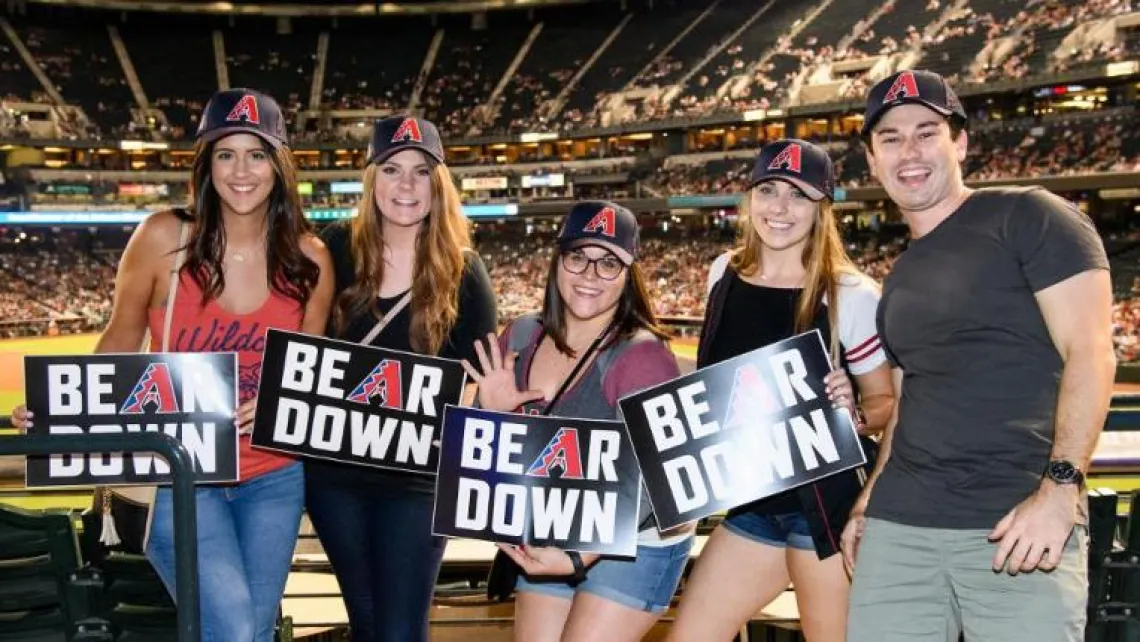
(496, 379)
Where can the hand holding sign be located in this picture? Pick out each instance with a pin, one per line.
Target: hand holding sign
(497, 388)
(21, 418)
(840, 390)
(544, 561)
(245, 416)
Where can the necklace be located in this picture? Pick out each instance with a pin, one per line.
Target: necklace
(241, 256)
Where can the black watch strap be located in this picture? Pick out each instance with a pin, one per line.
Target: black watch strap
(1064, 472)
(579, 575)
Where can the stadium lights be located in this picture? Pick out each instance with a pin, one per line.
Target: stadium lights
(535, 137)
(125, 217)
(139, 145)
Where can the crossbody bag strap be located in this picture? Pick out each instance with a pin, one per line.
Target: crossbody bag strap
(387, 318)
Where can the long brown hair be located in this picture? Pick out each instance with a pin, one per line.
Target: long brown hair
(634, 310)
(439, 262)
(824, 258)
(288, 271)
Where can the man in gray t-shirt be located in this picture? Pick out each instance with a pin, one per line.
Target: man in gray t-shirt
(997, 319)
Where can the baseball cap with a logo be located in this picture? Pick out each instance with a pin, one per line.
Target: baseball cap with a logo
(911, 86)
(397, 133)
(803, 164)
(604, 224)
(233, 111)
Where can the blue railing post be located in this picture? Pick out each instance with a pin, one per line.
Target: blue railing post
(185, 514)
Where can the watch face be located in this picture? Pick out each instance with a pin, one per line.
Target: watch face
(1062, 472)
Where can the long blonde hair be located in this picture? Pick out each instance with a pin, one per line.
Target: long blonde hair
(824, 258)
(439, 263)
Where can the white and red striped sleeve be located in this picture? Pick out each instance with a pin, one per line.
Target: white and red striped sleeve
(858, 300)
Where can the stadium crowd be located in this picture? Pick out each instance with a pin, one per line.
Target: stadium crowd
(742, 56)
(68, 289)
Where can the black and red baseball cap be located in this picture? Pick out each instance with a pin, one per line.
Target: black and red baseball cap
(602, 223)
(397, 133)
(911, 86)
(233, 111)
(803, 164)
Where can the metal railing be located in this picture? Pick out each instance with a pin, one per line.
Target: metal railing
(185, 514)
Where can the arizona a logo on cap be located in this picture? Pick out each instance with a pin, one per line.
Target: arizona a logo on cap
(903, 87)
(246, 109)
(788, 158)
(409, 130)
(605, 221)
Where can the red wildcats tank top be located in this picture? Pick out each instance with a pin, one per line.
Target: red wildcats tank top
(195, 328)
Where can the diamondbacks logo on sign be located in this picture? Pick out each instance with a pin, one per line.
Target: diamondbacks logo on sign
(788, 158)
(409, 130)
(562, 454)
(384, 383)
(538, 480)
(155, 389)
(189, 396)
(739, 431)
(353, 404)
(750, 397)
(605, 221)
(904, 86)
(245, 109)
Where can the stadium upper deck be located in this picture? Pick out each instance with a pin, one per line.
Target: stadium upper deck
(86, 73)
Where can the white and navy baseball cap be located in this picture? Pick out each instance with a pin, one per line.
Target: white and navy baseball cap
(803, 164)
(911, 86)
(234, 111)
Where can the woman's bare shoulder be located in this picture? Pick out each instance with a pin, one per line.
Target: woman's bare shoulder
(157, 236)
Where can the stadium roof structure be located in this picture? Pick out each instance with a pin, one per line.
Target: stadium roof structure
(308, 7)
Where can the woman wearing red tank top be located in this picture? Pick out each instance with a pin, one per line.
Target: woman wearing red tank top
(246, 261)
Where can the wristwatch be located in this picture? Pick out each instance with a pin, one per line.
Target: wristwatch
(579, 575)
(1064, 472)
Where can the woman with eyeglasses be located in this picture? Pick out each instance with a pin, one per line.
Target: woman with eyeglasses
(595, 341)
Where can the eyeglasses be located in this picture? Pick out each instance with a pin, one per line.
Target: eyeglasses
(608, 267)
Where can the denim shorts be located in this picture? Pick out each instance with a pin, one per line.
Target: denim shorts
(646, 583)
(781, 530)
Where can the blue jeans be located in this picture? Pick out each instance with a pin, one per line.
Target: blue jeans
(379, 542)
(246, 537)
(779, 530)
(646, 583)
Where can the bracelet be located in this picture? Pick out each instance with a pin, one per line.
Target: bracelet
(860, 418)
(579, 575)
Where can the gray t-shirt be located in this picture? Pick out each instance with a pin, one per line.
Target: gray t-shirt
(981, 373)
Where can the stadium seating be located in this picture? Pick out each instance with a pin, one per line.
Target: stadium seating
(725, 54)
